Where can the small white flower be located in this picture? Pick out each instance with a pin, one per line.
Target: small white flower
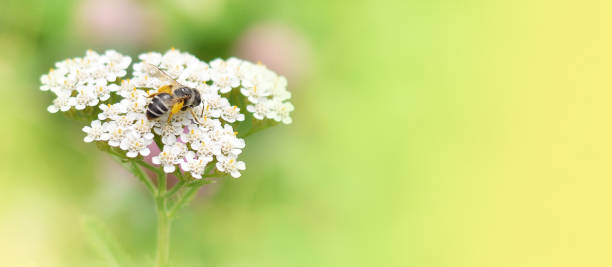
(97, 132)
(230, 165)
(127, 86)
(230, 145)
(54, 80)
(259, 110)
(138, 105)
(209, 124)
(116, 134)
(110, 111)
(279, 90)
(282, 112)
(169, 132)
(143, 127)
(198, 72)
(125, 121)
(153, 58)
(166, 159)
(196, 166)
(225, 81)
(63, 102)
(171, 155)
(232, 114)
(85, 97)
(102, 92)
(217, 105)
(135, 144)
(193, 134)
(206, 147)
(115, 64)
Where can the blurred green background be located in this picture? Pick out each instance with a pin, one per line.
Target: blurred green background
(426, 133)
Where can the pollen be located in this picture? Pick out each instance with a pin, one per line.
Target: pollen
(192, 131)
(235, 133)
(234, 107)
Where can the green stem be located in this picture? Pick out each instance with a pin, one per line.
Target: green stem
(175, 188)
(163, 223)
(183, 200)
(153, 169)
(143, 177)
(131, 164)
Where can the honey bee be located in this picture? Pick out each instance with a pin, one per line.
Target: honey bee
(172, 97)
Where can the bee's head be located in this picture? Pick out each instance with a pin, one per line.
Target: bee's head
(196, 98)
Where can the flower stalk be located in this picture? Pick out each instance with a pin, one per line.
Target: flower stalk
(163, 223)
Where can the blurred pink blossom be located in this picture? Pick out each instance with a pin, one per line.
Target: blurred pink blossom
(116, 22)
(278, 46)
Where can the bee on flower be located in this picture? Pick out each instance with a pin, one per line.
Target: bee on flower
(189, 137)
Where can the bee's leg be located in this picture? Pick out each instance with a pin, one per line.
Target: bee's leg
(194, 116)
(176, 108)
(163, 89)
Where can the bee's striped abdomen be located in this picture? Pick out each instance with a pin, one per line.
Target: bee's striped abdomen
(158, 106)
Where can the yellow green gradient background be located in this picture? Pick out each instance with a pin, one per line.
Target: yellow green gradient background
(427, 133)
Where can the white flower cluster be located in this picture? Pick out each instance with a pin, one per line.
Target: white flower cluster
(82, 82)
(265, 90)
(185, 143)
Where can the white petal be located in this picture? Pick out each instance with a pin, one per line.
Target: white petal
(220, 167)
(169, 168)
(235, 174)
(132, 154)
(52, 109)
(145, 152)
(113, 143)
(155, 160)
(88, 139)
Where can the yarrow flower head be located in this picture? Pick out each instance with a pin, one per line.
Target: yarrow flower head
(234, 94)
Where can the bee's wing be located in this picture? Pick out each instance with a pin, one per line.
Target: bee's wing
(158, 73)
